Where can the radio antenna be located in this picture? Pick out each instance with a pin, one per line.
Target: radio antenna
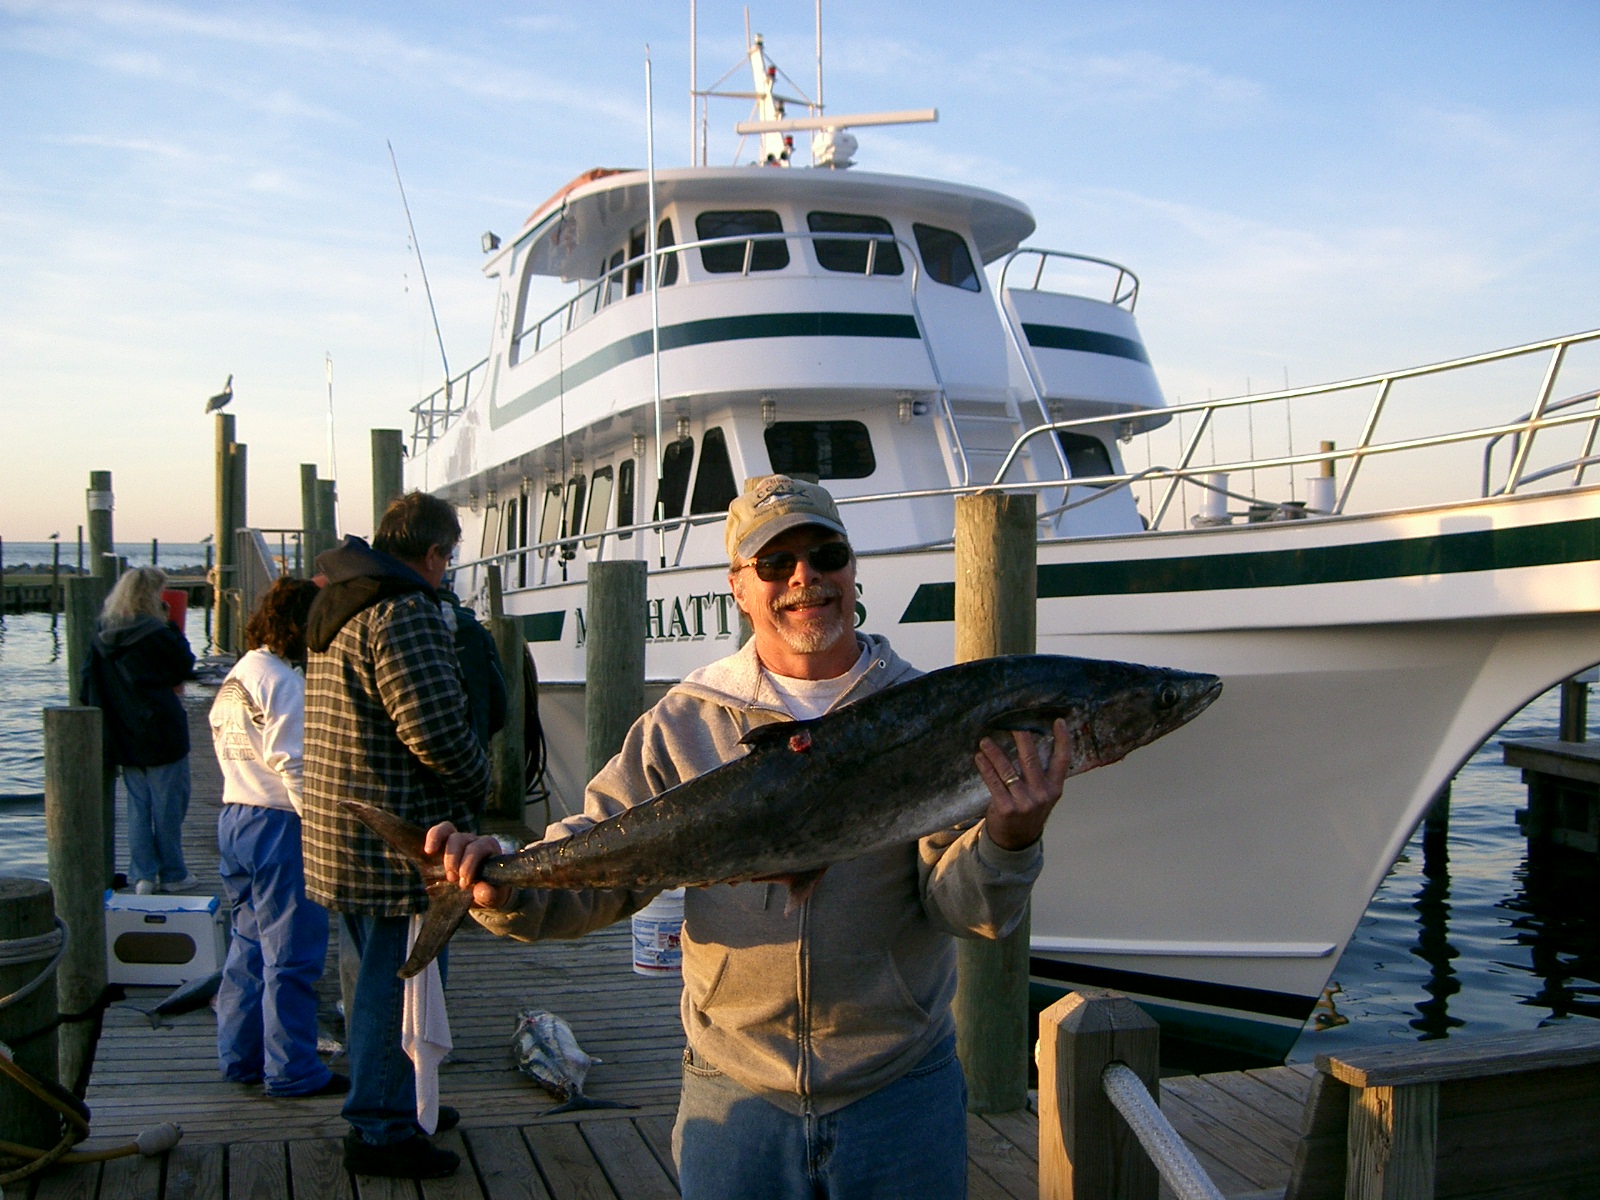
(417, 246)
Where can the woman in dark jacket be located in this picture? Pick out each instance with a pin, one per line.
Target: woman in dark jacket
(136, 662)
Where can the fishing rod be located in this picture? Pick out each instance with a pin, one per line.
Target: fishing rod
(417, 247)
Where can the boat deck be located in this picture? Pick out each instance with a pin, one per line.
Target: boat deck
(238, 1143)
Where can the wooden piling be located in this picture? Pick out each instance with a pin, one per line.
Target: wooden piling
(388, 480)
(996, 571)
(507, 749)
(1574, 710)
(310, 530)
(99, 501)
(27, 913)
(227, 551)
(74, 826)
(86, 595)
(328, 512)
(614, 657)
(1086, 1150)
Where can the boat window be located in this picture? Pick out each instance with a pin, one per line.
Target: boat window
(675, 464)
(572, 512)
(625, 474)
(613, 289)
(852, 255)
(635, 256)
(1086, 456)
(945, 257)
(488, 543)
(771, 255)
(714, 488)
(520, 327)
(824, 449)
(669, 262)
(599, 501)
(550, 517)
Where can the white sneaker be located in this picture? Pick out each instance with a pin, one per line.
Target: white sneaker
(187, 883)
(145, 887)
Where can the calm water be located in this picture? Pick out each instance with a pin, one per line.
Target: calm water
(171, 555)
(1480, 942)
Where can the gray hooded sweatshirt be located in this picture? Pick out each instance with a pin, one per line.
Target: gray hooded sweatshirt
(814, 1008)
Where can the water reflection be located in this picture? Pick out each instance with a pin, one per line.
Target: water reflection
(1433, 936)
(1558, 920)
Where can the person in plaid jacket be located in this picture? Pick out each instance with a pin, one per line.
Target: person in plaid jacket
(387, 724)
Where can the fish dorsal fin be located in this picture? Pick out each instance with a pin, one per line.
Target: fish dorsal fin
(774, 732)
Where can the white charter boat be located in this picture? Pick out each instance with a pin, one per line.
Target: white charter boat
(841, 324)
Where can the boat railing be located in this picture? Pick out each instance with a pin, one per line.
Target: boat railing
(434, 414)
(1124, 285)
(1207, 479)
(1544, 414)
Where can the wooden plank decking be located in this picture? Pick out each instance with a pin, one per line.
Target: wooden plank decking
(239, 1144)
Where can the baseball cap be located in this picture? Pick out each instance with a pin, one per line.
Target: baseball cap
(772, 504)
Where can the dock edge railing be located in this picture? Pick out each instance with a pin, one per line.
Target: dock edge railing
(1101, 1132)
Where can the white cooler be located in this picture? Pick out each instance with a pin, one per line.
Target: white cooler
(163, 939)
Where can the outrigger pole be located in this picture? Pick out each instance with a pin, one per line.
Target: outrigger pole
(655, 280)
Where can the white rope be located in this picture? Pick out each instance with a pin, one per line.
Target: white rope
(13, 951)
(1179, 1170)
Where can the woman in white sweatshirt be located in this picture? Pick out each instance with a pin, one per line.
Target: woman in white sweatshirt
(267, 1004)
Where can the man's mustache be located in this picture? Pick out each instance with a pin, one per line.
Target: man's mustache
(820, 593)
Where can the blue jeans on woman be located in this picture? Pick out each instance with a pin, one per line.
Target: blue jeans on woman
(382, 1104)
(267, 1004)
(908, 1138)
(158, 801)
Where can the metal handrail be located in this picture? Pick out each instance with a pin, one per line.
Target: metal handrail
(1516, 437)
(429, 421)
(1119, 298)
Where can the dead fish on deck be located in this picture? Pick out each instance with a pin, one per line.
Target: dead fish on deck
(184, 998)
(545, 1049)
(886, 770)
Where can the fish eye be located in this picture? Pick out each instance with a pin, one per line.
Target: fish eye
(1167, 697)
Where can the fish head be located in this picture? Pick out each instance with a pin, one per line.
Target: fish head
(1110, 708)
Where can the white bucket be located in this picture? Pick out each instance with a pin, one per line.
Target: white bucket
(657, 928)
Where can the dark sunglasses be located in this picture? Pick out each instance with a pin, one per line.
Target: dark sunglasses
(829, 556)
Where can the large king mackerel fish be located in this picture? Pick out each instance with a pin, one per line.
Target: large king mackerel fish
(891, 768)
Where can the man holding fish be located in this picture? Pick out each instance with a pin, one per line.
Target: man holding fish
(821, 1045)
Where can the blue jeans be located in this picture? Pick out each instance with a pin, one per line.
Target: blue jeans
(906, 1139)
(382, 1104)
(158, 800)
(267, 1004)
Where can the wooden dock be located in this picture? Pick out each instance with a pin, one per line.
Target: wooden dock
(240, 1144)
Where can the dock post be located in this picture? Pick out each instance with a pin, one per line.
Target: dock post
(55, 578)
(74, 825)
(1574, 710)
(328, 512)
(27, 920)
(1086, 1150)
(614, 657)
(310, 530)
(996, 556)
(226, 551)
(388, 480)
(99, 500)
(86, 595)
(507, 749)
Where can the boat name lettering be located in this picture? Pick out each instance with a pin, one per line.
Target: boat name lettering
(689, 615)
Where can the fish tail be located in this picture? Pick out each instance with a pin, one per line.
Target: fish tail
(580, 1102)
(447, 903)
(447, 906)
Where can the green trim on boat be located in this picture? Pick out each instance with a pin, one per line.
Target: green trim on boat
(1090, 341)
(1441, 554)
(545, 626)
(705, 332)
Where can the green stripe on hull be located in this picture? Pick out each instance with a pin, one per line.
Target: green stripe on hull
(545, 626)
(703, 333)
(1090, 341)
(1442, 554)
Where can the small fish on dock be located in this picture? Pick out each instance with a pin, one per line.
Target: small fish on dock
(545, 1049)
(186, 997)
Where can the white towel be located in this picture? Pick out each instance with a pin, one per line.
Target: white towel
(425, 1032)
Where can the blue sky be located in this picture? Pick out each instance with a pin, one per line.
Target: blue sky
(187, 190)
